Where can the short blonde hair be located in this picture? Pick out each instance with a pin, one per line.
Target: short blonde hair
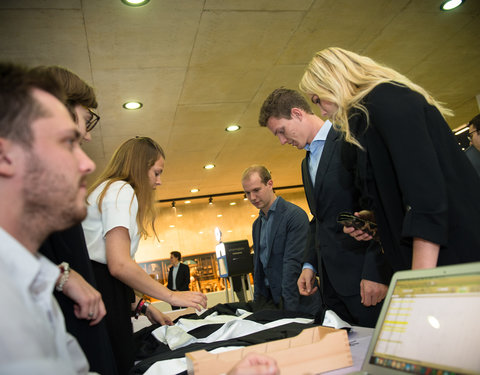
(345, 78)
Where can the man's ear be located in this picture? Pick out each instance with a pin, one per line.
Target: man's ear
(7, 157)
(296, 113)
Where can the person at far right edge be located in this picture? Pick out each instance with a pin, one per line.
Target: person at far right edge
(473, 152)
(423, 191)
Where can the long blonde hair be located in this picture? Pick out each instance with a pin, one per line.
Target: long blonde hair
(131, 162)
(345, 78)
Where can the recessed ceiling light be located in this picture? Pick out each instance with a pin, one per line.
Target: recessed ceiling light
(172, 226)
(233, 203)
(209, 166)
(219, 215)
(194, 190)
(135, 3)
(188, 202)
(253, 215)
(451, 4)
(179, 215)
(132, 105)
(232, 128)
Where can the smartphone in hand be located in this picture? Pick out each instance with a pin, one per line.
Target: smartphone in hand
(350, 220)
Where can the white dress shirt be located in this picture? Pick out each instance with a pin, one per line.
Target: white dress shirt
(33, 339)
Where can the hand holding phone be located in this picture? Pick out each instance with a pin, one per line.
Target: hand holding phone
(350, 220)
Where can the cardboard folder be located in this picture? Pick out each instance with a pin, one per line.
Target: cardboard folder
(314, 350)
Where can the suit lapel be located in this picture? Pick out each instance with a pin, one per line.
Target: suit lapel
(275, 225)
(328, 151)
(307, 183)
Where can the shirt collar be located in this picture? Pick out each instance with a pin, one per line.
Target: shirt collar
(271, 209)
(34, 269)
(321, 135)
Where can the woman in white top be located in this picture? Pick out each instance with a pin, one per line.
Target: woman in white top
(120, 211)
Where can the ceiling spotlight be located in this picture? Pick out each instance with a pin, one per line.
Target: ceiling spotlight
(219, 215)
(188, 202)
(173, 204)
(210, 200)
(172, 226)
(179, 215)
(135, 3)
(232, 128)
(209, 166)
(451, 4)
(194, 190)
(245, 197)
(132, 105)
(233, 203)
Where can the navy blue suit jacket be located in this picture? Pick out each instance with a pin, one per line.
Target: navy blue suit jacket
(284, 261)
(346, 260)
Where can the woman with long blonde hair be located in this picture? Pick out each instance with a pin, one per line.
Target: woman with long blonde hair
(420, 186)
(120, 211)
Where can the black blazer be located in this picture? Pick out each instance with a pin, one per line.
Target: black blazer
(69, 246)
(346, 260)
(182, 280)
(418, 179)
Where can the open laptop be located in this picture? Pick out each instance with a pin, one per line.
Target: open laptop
(429, 324)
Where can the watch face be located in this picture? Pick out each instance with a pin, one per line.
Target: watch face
(218, 234)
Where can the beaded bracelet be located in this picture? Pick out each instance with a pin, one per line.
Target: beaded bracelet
(65, 273)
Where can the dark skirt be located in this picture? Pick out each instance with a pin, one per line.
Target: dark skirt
(118, 298)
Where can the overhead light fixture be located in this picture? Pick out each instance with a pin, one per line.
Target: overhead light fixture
(179, 215)
(232, 128)
(188, 202)
(233, 203)
(451, 4)
(194, 190)
(135, 3)
(132, 105)
(219, 215)
(173, 204)
(466, 128)
(245, 197)
(209, 166)
(210, 200)
(172, 226)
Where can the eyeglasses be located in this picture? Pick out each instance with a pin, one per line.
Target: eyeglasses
(92, 121)
(470, 136)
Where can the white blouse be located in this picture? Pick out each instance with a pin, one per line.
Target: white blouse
(119, 209)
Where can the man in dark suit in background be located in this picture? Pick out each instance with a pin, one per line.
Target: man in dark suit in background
(279, 237)
(353, 275)
(473, 152)
(179, 274)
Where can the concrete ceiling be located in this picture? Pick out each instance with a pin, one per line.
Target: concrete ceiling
(200, 65)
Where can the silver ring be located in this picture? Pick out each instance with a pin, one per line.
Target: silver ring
(90, 315)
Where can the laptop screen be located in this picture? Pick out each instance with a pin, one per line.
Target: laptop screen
(431, 326)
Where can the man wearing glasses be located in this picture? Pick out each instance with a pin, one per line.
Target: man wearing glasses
(81, 304)
(473, 152)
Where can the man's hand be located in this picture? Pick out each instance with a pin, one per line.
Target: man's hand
(372, 292)
(255, 364)
(88, 301)
(156, 316)
(306, 281)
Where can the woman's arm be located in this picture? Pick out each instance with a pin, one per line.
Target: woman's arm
(124, 268)
(425, 254)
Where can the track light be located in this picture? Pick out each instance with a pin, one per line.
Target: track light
(173, 204)
(210, 200)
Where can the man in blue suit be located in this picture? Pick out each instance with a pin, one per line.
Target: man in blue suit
(353, 275)
(279, 237)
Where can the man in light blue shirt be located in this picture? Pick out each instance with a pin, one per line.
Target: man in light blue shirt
(353, 275)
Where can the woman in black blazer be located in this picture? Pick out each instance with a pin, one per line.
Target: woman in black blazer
(422, 189)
